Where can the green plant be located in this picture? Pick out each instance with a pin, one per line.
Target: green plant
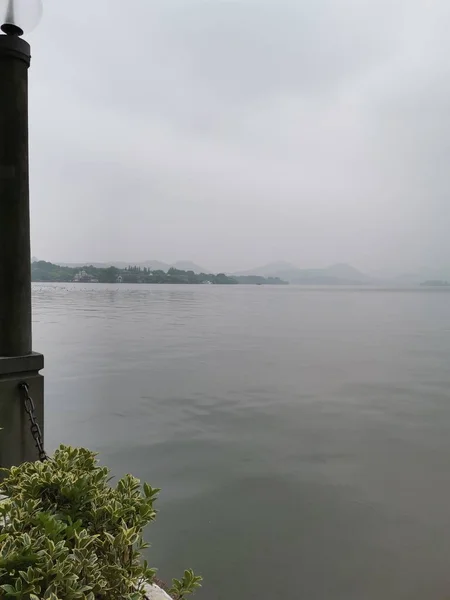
(66, 534)
(187, 585)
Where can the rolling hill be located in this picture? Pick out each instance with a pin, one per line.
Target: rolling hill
(338, 274)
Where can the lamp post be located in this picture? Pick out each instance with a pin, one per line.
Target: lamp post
(18, 363)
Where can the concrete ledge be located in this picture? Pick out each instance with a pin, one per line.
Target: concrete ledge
(154, 592)
(21, 364)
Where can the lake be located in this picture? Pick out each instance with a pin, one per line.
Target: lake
(301, 437)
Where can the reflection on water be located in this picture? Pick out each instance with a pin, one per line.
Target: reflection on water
(301, 436)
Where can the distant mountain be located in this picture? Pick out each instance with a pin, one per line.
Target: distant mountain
(339, 274)
(187, 265)
(154, 265)
(269, 270)
(347, 272)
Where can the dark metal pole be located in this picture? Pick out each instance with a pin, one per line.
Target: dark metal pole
(15, 254)
(18, 364)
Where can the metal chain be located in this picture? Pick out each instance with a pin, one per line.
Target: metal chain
(30, 409)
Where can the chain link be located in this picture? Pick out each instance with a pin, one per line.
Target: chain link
(30, 409)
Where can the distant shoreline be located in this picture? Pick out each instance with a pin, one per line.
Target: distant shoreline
(436, 283)
(46, 272)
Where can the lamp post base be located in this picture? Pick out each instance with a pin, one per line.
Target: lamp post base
(16, 442)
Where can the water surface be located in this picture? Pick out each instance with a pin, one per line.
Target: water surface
(301, 437)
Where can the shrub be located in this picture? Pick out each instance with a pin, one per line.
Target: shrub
(65, 533)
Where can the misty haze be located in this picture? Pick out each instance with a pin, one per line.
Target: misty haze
(241, 281)
(236, 134)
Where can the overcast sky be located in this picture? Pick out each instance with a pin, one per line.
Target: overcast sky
(236, 133)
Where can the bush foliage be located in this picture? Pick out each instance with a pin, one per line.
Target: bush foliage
(67, 534)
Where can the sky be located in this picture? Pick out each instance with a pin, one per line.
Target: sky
(238, 133)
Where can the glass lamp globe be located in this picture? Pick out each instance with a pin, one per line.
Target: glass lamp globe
(19, 16)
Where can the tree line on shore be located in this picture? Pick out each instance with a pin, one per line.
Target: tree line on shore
(48, 272)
